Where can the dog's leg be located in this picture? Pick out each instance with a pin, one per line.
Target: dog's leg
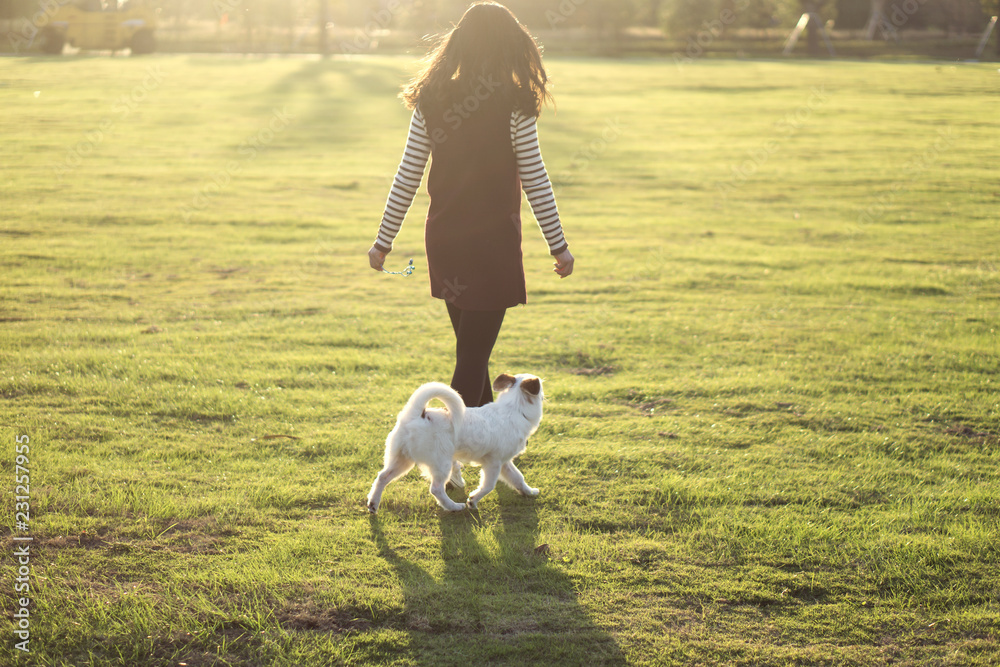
(510, 474)
(487, 481)
(438, 480)
(456, 475)
(393, 470)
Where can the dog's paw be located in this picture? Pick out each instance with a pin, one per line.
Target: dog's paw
(530, 492)
(372, 508)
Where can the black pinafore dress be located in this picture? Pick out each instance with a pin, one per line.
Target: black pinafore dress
(473, 230)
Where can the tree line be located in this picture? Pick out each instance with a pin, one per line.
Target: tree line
(678, 18)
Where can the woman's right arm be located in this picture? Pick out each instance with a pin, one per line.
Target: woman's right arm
(404, 186)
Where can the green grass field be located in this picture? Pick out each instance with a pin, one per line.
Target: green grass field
(772, 431)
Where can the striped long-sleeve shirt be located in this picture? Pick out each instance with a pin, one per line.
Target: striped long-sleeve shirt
(534, 181)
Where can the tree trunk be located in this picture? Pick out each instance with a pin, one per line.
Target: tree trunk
(813, 40)
(812, 8)
(652, 17)
(877, 16)
(323, 18)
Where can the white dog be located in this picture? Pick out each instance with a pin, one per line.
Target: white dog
(439, 441)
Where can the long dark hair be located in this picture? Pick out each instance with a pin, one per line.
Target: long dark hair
(489, 43)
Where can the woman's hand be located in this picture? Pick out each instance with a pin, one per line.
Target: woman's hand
(376, 258)
(564, 263)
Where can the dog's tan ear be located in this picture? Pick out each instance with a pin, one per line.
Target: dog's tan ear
(504, 381)
(531, 386)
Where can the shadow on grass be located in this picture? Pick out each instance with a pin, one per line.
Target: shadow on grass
(321, 97)
(496, 596)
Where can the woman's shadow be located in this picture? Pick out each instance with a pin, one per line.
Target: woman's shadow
(497, 595)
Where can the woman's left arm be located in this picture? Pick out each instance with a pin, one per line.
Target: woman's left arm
(535, 182)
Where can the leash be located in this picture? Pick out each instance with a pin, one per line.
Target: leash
(405, 272)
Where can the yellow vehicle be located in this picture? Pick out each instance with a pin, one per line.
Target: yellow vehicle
(102, 25)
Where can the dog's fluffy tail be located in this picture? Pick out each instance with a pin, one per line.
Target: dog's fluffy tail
(414, 408)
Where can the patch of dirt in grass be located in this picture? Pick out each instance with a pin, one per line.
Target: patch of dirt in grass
(510, 628)
(966, 431)
(227, 271)
(309, 616)
(87, 540)
(243, 647)
(185, 415)
(746, 409)
(203, 535)
(586, 364)
(648, 521)
(600, 370)
(649, 406)
(190, 536)
(641, 401)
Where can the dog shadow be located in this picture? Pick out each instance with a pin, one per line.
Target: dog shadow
(493, 589)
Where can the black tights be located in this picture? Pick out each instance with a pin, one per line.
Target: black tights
(476, 332)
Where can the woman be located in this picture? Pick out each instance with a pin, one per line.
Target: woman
(475, 106)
